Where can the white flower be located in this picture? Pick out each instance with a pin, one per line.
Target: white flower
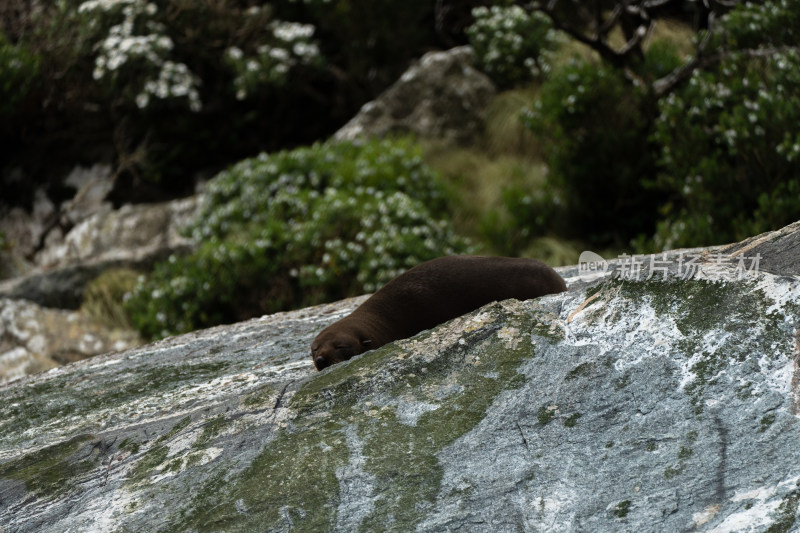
(280, 54)
(180, 89)
(116, 61)
(291, 31)
(162, 89)
(235, 53)
(306, 50)
(165, 42)
(142, 99)
(194, 101)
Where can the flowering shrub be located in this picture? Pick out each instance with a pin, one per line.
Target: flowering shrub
(298, 228)
(272, 62)
(730, 147)
(136, 38)
(511, 44)
(137, 42)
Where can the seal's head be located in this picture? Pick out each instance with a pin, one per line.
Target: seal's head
(336, 344)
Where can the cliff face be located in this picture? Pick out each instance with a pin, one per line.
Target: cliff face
(665, 404)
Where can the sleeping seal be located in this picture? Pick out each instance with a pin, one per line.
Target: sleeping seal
(429, 294)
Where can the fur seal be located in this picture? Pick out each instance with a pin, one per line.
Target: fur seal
(429, 294)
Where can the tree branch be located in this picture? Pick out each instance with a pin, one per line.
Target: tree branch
(672, 80)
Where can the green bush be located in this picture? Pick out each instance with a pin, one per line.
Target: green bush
(730, 147)
(18, 70)
(660, 59)
(298, 228)
(524, 215)
(594, 129)
(511, 44)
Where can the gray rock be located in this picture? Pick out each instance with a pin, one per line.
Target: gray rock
(621, 405)
(131, 234)
(22, 233)
(27, 231)
(442, 97)
(134, 236)
(93, 186)
(33, 338)
(779, 249)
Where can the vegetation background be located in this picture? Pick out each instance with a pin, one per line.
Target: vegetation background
(620, 126)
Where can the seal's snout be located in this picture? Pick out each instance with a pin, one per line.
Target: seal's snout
(321, 362)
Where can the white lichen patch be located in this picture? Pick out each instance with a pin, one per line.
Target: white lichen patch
(290, 365)
(102, 364)
(711, 343)
(216, 387)
(780, 289)
(510, 337)
(759, 513)
(477, 321)
(408, 412)
(183, 441)
(644, 332)
(190, 459)
(102, 513)
(551, 509)
(777, 376)
(753, 519)
(356, 486)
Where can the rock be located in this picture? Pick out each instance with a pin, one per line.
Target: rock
(12, 265)
(780, 250)
(22, 232)
(134, 236)
(26, 232)
(442, 97)
(33, 338)
(620, 405)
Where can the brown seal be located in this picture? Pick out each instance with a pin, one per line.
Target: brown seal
(429, 294)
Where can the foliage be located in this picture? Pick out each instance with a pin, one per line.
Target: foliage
(142, 51)
(297, 228)
(636, 148)
(493, 178)
(511, 44)
(593, 129)
(18, 69)
(271, 63)
(730, 148)
(104, 296)
(523, 215)
(659, 60)
(131, 41)
(504, 132)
